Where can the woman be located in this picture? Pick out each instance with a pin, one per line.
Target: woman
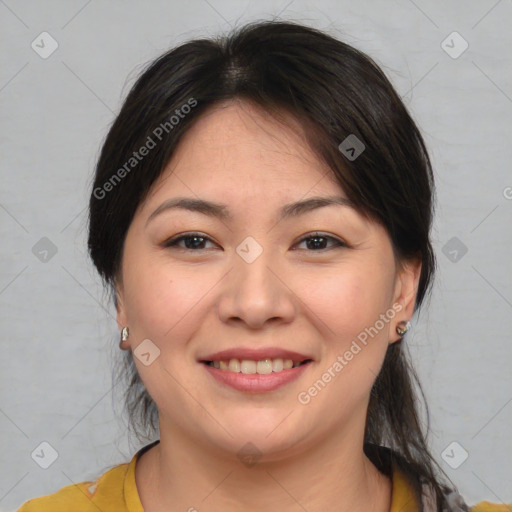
(261, 210)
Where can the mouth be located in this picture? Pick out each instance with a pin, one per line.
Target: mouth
(260, 367)
(251, 376)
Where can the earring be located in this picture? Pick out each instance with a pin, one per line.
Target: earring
(125, 333)
(403, 327)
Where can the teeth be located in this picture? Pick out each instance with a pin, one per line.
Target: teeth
(234, 365)
(263, 367)
(248, 366)
(277, 365)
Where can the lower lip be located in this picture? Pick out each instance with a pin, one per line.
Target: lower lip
(254, 381)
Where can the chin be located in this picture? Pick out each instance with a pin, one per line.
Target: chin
(251, 447)
(268, 435)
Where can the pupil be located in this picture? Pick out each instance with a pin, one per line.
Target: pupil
(316, 238)
(187, 240)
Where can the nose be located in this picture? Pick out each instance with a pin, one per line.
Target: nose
(257, 292)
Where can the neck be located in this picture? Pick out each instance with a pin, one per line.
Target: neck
(181, 473)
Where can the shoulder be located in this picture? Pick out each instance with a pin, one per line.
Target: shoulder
(106, 493)
(457, 504)
(487, 506)
(408, 488)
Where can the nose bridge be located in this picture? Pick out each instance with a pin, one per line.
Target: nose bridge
(255, 292)
(252, 268)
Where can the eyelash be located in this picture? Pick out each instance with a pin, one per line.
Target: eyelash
(173, 242)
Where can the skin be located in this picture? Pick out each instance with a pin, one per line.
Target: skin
(294, 295)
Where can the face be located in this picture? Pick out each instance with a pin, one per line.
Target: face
(321, 282)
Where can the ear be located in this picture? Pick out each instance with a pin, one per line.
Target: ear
(121, 318)
(406, 288)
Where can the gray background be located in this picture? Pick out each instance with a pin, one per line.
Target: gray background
(59, 337)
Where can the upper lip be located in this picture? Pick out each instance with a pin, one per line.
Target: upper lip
(253, 354)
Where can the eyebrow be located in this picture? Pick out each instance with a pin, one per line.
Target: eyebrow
(222, 212)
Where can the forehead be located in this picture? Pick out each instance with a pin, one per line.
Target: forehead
(241, 147)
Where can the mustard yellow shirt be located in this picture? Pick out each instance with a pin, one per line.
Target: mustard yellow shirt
(116, 491)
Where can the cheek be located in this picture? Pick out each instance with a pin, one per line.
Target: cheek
(349, 303)
(166, 298)
(345, 300)
(345, 307)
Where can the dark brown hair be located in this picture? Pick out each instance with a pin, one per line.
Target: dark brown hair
(333, 91)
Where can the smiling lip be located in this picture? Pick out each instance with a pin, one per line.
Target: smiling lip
(255, 382)
(252, 354)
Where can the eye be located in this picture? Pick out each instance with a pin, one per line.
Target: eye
(196, 241)
(193, 241)
(316, 237)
